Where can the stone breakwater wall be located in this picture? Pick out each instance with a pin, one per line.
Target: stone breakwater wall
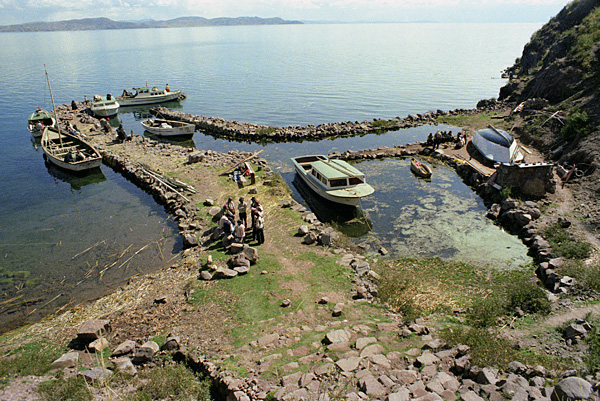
(222, 128)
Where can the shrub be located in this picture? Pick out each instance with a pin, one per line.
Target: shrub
(564, 245)
(173, 382)
(592, 358)
(529, 297)
(487, 347)
(400, 294)
(577, 126)
(485, 311)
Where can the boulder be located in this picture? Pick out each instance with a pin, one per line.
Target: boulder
(171, 344)
(126, 347)
(571, 389)
(337, 309)
(309, 238)
(98, 345)
(68, 360)
(349, 364)
(146, 352)
(303, 230)
(124, 365)
(223, 272)
(96, 374)
(250, 253)
(337, 336)
(93, 329)
(205, 275)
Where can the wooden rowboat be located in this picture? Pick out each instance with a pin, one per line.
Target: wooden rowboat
(69, 152)
(420, 169)
(162, 127)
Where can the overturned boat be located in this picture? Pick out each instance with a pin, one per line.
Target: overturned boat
(497, 146)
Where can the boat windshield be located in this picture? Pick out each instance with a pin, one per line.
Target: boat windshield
(355, 180)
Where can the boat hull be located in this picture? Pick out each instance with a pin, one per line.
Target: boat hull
(55, 152)
(105, 111)
(420, 169)
(177, 128)
(141, 100)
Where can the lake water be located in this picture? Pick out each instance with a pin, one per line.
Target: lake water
(65, 240)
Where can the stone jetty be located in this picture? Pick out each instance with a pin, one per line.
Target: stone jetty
(221, 128)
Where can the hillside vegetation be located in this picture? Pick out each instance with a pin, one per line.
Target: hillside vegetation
(560, 68)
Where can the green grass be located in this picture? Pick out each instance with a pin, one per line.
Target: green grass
(61, 388)
(172, 382)
(266, 130)
(565, 245)
(383, 123)
(34, 358)
(474, 121)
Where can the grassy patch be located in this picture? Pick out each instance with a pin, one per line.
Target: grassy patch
(417, 287)
(587, 276)
(60, 388)
(383, 123)
(30, 359)
(266, 130)
(564, 244)
(172, 382)
(473, 121)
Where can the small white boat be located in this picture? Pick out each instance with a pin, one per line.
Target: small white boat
(332, 179)
(497, 145)
(38, 120)
(104, 106)
(162, 127)
(147, 95)
(69, 152)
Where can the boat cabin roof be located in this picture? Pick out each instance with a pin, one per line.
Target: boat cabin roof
(336, 169)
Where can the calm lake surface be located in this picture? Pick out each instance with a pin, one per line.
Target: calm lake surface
(65, 240)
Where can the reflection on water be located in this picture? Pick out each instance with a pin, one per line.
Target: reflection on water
(351, 221)
(76, 180)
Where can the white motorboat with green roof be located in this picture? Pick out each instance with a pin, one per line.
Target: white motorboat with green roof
(104, 106)
(332, 179)
(147, 95)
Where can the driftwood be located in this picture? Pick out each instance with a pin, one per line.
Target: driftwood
(229, 170)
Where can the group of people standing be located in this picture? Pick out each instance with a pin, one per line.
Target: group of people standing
(444, 137)
(229, 225)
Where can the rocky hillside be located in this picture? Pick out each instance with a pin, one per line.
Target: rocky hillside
(561, 63)
(557, 81)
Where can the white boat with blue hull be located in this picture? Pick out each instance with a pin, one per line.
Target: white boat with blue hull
(333, 179)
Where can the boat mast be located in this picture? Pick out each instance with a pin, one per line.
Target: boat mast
(53, 107)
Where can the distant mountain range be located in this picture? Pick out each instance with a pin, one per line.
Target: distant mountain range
(90, 24)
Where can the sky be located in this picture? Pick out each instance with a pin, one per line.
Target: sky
(21, 11)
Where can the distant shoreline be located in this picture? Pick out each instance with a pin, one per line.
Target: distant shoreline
(95, 24)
